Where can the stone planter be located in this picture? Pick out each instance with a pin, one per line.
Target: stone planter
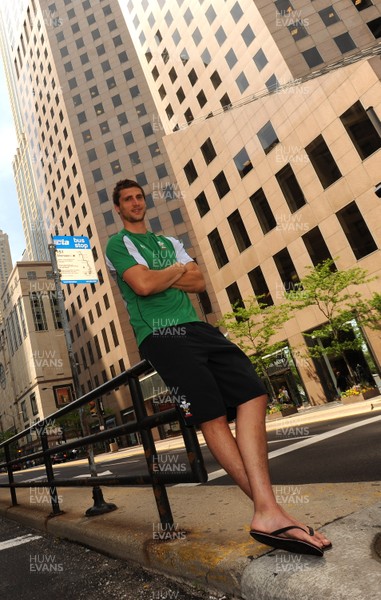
(360, 397)
(285, 412)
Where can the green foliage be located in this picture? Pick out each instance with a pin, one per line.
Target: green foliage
(330, 291)
(253, 326)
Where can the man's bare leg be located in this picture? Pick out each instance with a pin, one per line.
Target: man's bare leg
(245, 459)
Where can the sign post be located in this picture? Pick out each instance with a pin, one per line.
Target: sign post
(73, 262)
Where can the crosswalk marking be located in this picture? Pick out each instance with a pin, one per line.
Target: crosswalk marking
(88, 475)
(23, 539)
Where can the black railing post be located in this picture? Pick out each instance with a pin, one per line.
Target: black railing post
(11, 479)
(159, 489)
(50, 474)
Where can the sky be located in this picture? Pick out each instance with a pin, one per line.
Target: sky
(10, 219)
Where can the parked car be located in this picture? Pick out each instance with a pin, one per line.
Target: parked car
(60, 457)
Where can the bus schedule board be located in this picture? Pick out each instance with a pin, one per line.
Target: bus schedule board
(75, 259)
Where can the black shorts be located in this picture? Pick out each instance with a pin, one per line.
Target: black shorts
(206, 374)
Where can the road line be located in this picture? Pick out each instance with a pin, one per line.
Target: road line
(89, 475)
(24, 539)
(286, 439)
(302, 444)
(322, 436)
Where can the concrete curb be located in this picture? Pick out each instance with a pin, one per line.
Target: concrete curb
(349, 571)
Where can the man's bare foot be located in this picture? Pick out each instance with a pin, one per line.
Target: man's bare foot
(274, 520)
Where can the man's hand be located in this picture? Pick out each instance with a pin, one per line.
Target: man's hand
(192, 280)
(146, 282)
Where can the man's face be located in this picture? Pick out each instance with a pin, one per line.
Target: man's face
(132, 206)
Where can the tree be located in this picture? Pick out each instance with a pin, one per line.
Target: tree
(329, 290)
(253, 326)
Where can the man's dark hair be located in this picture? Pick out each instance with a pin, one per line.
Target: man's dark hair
(124, 184)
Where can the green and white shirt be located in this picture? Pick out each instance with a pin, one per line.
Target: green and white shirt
(165, 309)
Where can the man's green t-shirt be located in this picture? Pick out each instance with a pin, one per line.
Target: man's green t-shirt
(169, 308)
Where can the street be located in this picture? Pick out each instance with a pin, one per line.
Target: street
(39, 567)
(324, 461)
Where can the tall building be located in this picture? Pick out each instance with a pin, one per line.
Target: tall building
(86, 121)
(34, 364)
(271, 112)
(30, 208)
(5, 260)
(253, 127)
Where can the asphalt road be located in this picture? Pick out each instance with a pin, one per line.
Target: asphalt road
(349, 456)
(38, 567)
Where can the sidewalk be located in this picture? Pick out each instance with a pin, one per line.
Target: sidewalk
(213, 549)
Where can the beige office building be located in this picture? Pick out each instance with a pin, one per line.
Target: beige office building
(272, 118)
(34, 365)
(259, 177)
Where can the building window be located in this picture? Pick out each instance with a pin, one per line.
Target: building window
(221, 184)
(38, 311)
(109, 217)
(316, 246)
(375, 27)
(208, 151)
(235, 298)
(242, 82)
(105, 341)
(161, 171)
(284, 7)
(290, 188)
(297, 30)
(239, 231)
(260, 59)
(169, 111)
(286, 270)
(344, 43)
(263, 211)
(24, 411)
(177, 216)
(55, 308)
(180, 95)
(210, 14)
(215, 79)
(259, 285)
(361, 4)
(328, 16)
(356, 230)
(231, 58)
(201, 98)
(206, 57)
(114, 334)
(190, 172)
(243, 162)
(33, 404)
(97, 347)
(267, 137)
(312, 57)
(220, 36)
(361, 130)
(202, 204)
(248, 35)
(323, 162)
(217, 248)
(192, 76)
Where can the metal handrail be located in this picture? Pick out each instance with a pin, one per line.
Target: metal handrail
(143, 424)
